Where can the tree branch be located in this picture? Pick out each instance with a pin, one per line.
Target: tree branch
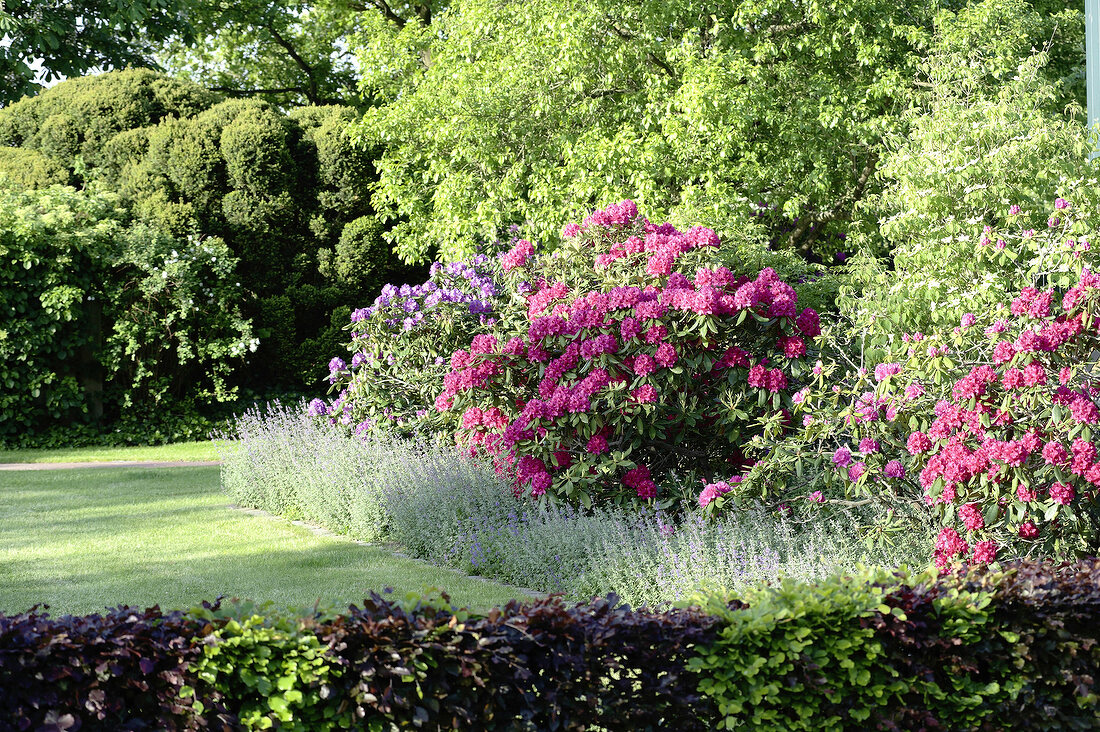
(840, 211)
(382, 6)
(653, 58)
(233, 91)
(311, 93)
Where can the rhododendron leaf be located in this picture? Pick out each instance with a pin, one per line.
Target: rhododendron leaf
(991, 514)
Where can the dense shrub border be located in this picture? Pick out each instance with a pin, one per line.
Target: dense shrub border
(1012, 647)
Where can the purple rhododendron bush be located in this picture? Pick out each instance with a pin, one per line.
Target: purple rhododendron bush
(401, 346)
(991, 426)
(631, 355)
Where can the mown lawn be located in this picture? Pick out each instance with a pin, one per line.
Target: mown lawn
(189, 451)
(84, 539)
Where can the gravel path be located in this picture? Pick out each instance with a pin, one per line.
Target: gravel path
(108, 464)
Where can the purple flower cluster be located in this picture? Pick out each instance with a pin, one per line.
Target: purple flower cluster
(469, 282)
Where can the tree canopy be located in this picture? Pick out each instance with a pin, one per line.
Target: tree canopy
(501, 113)
(55, 39)
(289, 52)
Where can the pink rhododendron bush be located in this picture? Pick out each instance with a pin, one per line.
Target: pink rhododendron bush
(628, 359)
(991, 426)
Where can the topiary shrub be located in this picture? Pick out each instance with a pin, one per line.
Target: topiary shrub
(80, 116)
(31, 169)
(277, 188)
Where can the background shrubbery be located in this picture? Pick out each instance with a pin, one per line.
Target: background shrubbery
(282, 197)
(102, 316)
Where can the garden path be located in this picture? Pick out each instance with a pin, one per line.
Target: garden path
(109, 464)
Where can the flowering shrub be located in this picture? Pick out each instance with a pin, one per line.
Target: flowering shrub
(619, 368)
(989, 425)
(400, 346)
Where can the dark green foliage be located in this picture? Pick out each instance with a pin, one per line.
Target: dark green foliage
(360, 255)
(103, 318)
(287, 193)
(1031, 655)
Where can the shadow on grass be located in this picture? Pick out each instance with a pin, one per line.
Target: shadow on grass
(332, 575)
(140, 537)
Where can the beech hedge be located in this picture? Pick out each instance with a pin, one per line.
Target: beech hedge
(999, 647)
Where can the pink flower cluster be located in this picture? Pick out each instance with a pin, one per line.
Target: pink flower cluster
(592, 356)
(640, 480)
(713, 491)
(1002, 424)
(517, 256)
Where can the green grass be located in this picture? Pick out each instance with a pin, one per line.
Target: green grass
(159, 453)
(82, 540)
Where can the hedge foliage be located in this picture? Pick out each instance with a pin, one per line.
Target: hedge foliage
(1004, 648)
(102, 316)
(286, 192)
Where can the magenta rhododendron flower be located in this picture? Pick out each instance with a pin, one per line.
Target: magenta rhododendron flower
(856, 471)
(985, 552)
(949, 545)
(918, 443)
(971, 516)
(885, 370)
(1026, 494)
(842, 457)
(792, 346)
(639, 479)
(868, 445)
(666, 355)
(517, 256)
(1062, 493)
(712, 491)
(894, 469)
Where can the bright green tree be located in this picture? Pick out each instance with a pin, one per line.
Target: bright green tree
(288, 52)
(992, 128)
(531, 113)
